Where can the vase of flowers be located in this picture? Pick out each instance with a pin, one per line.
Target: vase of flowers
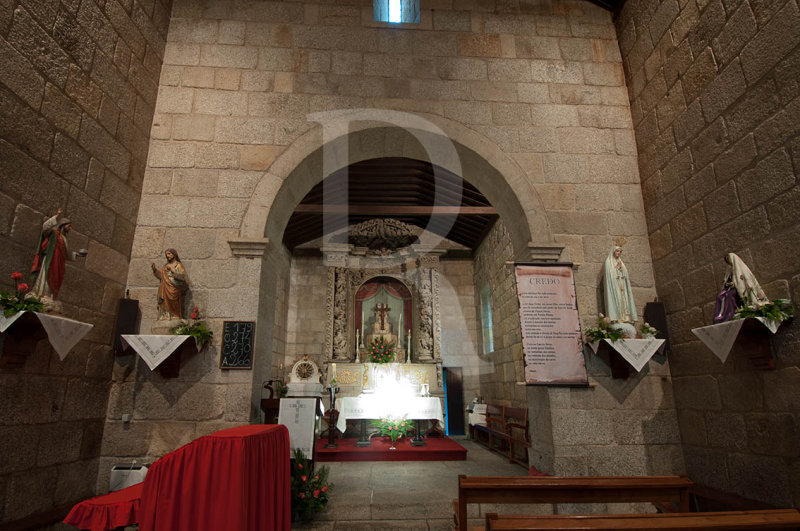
(310, 490)
(394, 428)
(604, 330)
(647, 331)
(13, 303)
(381, 351)
(197, 329)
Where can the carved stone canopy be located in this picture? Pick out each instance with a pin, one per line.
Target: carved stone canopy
(382, 235)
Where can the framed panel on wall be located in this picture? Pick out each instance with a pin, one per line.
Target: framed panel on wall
(551, 330)
(237, 345)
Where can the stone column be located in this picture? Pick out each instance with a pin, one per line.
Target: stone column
(336, 343)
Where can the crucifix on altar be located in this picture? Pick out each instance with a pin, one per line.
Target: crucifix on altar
(381, 327)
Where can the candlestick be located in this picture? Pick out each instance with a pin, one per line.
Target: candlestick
(408, 346)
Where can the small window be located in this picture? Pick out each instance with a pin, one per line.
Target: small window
(486, 321)
(396, 11)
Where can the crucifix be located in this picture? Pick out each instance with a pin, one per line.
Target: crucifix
(382, 309)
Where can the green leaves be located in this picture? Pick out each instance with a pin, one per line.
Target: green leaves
(12, 304)
(394, 428)
(380, 351)
(197, 330)
(310, 489)
(779, 310)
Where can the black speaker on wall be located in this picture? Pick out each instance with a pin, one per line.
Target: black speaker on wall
(656, 316)
(127, 321)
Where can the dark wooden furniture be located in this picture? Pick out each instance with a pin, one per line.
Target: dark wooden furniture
(729, 520)
(570, 489)
(507, 430)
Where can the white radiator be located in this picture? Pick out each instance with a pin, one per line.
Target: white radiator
(126, 475)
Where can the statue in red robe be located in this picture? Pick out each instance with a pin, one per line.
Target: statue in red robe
(49, 264)
(173, 282)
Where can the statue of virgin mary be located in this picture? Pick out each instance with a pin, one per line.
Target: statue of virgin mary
(618, 294)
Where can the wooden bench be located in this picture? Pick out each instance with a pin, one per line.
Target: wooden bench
(508, 427)
(730, 520)
(570, 489)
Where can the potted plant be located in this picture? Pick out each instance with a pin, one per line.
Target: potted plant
(197, 329)
(310, 490)
(381, 351)
(394, 429)
(604, 330)
(13, 303)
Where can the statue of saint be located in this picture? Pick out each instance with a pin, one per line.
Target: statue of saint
(173, 283)
(49, 264)
(740, 288)
(618, 294)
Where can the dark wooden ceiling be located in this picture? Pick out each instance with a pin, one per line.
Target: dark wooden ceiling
(398, 188)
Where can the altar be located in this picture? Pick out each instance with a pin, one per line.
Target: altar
(367, 408)
(353, 379)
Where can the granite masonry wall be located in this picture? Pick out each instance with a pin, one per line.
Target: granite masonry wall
(541, 88)
(714, 99)
(613, 427)
(78, 87)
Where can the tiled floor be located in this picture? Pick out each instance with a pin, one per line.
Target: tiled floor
(403, 495)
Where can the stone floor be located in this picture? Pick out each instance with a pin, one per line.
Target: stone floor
(408, 495)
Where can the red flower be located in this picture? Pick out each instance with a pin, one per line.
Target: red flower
(316, 477)
(195, 309)
(22, 287)
(303, 478)
(403, 424)
(302, 495)
(316, 493)
(324, 488)
(16, 275)
(299, 466)
(193, 316)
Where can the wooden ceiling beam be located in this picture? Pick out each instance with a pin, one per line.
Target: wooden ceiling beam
(399, 210)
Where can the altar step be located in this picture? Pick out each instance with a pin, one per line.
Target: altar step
(435, 449)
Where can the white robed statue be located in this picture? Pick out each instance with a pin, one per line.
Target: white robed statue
(620, 306)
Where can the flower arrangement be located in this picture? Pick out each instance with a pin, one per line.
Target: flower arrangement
(380, 351)
(394, 428)
(310, 490)
(648, 331)
(17, 302)
(603, 331)
(197, 329)
(778, 311)
(281, 388)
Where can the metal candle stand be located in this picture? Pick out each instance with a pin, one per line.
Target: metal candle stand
(333, 417)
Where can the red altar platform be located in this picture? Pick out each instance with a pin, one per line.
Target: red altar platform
(234, 479)
(435, 449)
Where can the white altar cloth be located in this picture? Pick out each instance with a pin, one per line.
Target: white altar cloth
(62, 333)
(370, 407)
(154, 349)
(719, 338)
(637, 352)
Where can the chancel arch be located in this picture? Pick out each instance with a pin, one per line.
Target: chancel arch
(313, 274)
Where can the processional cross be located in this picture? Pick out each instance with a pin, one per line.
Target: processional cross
(382, 309)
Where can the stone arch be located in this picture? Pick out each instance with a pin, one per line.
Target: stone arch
(479, 161)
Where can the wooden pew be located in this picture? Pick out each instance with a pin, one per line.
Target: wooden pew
(569, 489)
(729, 520)
(494, 426)
(508, 427)
(517, 433)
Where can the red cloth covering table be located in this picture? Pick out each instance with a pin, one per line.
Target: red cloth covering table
(109, 511)
(234, 479)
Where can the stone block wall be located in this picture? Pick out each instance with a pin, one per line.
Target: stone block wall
(714, 100)
(613, 427)
(78, 87)
(542, 86)
(307, 317)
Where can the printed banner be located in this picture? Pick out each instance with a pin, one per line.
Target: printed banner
(551, 330)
